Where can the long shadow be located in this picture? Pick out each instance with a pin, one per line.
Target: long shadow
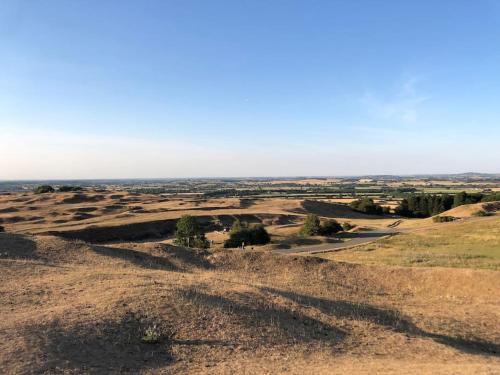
(137, 258)
(97, 347)
(363, 234)
(17, 246)
(274, 325)
(392, 319)
(186, 257)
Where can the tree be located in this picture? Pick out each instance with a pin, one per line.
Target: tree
(189, 233)
(44, 189)
(255, 235)
(330, 227)
(311, 226)
(367, 206)
(236, 227)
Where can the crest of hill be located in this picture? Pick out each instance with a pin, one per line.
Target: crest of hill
(467, 210)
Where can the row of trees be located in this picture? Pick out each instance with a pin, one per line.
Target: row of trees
(426, 205)
(368, 206)
(42, 189)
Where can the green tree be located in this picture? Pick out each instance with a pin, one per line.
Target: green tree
(255, 235)
(311, 226)
(189, 233)
(44, 189)
(330, 227)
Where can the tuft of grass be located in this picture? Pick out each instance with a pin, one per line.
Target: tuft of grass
(152, 335)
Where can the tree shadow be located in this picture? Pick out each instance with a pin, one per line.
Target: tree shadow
(392, 319)
(267, 323)
(186, 258)
(98, 347)
(18, 246)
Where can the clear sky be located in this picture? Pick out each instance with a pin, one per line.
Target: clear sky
(109, 89)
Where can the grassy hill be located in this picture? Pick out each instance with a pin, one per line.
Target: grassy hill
(472, 243)
(70, 307)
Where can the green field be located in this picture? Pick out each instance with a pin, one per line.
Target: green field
(473, 244)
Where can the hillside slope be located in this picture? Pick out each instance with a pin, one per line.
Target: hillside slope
(70, 307)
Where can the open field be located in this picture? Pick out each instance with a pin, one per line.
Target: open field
(128, 301)
(70, 307)
(472, 243)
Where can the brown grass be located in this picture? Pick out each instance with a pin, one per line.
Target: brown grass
(70, 307)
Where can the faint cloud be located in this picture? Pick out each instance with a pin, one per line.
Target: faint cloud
(402, 105)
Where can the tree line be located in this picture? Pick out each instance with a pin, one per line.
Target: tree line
(426, 205)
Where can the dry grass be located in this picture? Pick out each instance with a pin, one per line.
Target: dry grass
(69, 307)
(472, 243)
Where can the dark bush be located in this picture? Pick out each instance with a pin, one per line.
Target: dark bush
(65, 188)
(367, 206)
(443, 219)
(44, 189)
(330, 227)
(254, 235)
(347, 226)
(2, 229)
(481, 213)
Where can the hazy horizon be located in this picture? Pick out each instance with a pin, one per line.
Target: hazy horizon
(122, 89)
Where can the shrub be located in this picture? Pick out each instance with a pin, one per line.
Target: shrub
(66, 188)
(347, 226)
(482, 213)
(44, 189)
(255, 235)
(367, 206)
(189, 233)
(330, 227)
(311, 226)
(2, 229)
(152, 335)
(443, 219)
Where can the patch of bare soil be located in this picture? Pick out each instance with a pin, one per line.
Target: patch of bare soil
(71, 307)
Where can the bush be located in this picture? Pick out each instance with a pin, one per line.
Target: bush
(330, 227)
(347, 226)
(443, 219)
(2, 229)
(367, 206)
(189, 233)
(65, 188)
(481, 213)
(44, 189)
(311, 226)
(255, 235)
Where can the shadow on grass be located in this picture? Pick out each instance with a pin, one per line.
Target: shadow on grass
(184, 258)
(97, 347)
(265, 323)
(392, 319)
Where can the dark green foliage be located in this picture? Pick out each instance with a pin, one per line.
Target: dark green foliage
(330, 227)
(66, 188)
(481, 213)
(367, 206)
(189, 233)
(254, 235)
(443, 219)
(347, 226)
(424, 205)
(311, 226)
(44, 189)
(2, 229)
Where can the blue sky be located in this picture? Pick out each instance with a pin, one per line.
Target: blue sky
(101, 89)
